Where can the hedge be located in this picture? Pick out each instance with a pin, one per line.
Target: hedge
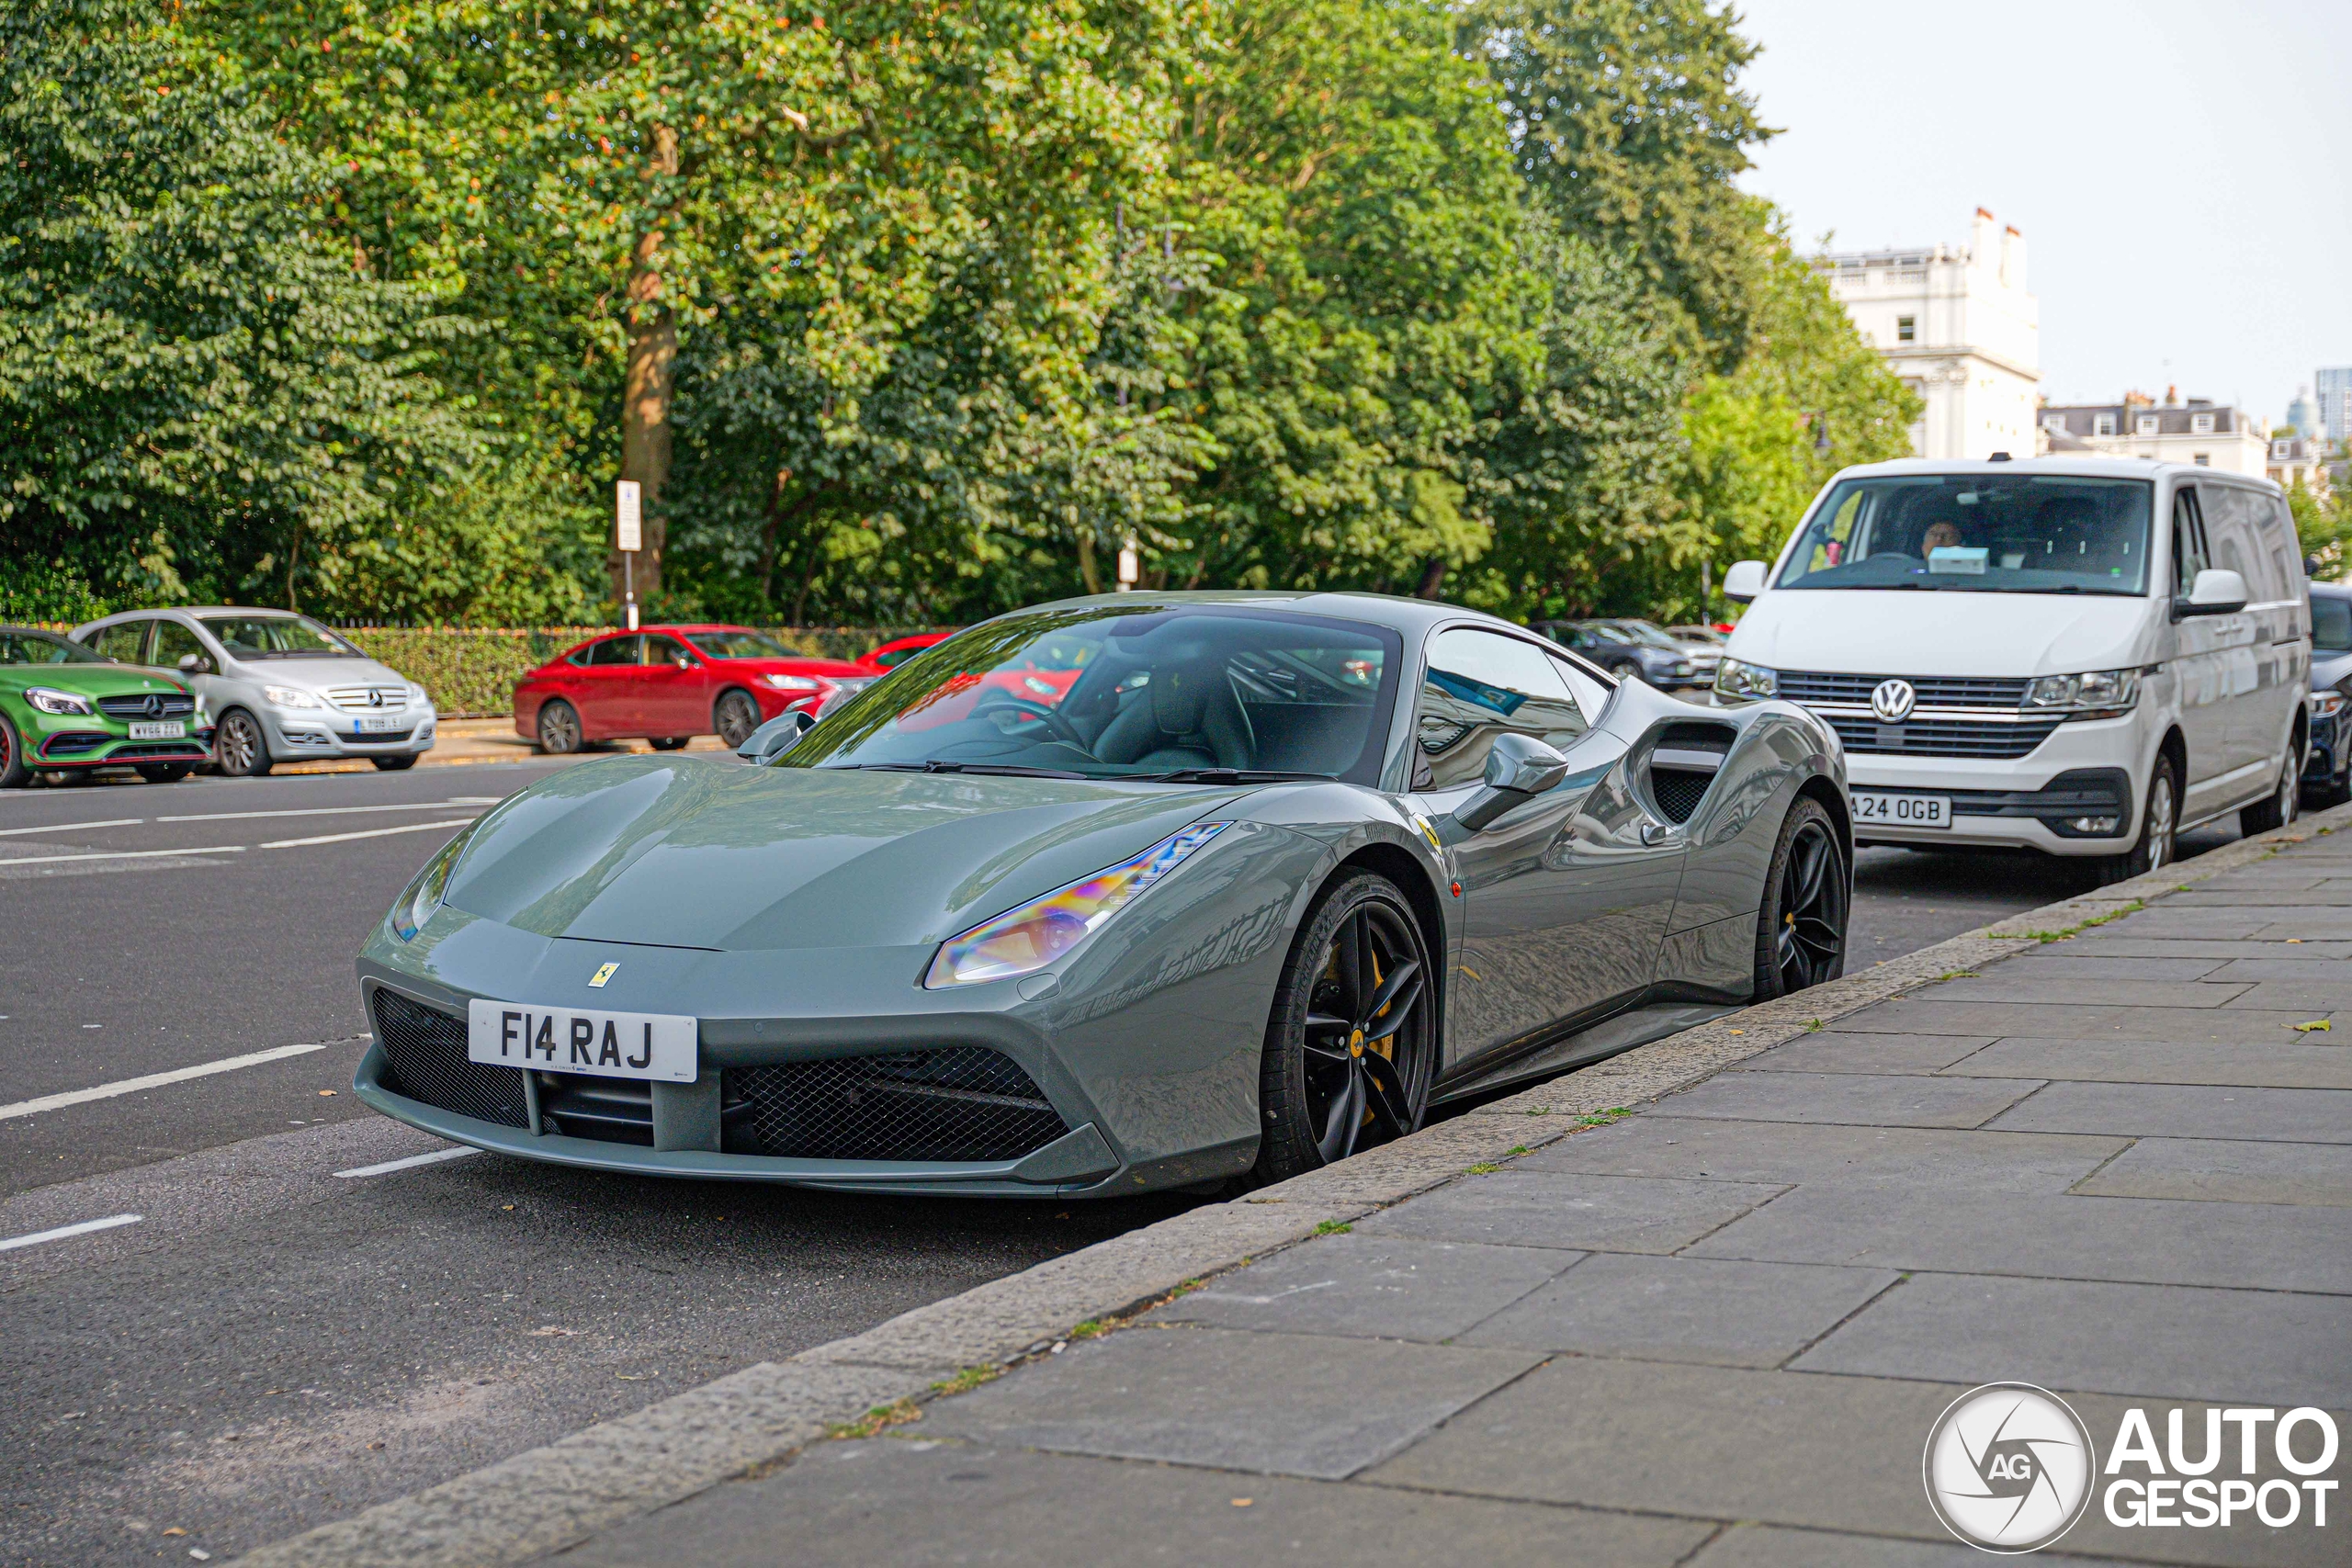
(472, 670)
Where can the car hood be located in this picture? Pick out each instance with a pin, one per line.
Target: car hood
(88, 680)
(318, 675)
(1857, 631)
(2327, 669)
(687, 851)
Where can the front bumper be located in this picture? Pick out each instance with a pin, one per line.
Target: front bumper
(298, 733)
(2091, 769)
(79, 741)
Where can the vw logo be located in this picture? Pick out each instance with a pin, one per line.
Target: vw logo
(1892, 700)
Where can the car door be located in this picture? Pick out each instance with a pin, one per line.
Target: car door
(2254, 713)
(675, 689)
(2199, 664)
(1563, 901)
(607, 687)
(175, 640)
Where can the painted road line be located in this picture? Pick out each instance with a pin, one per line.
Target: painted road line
(390, 1166)
(7, 861)
(62, 1232)
(69, 826)
(346, 838)
(321, 811)
(153, 1080)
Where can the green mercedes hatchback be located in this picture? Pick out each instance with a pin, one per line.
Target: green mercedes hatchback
(63, 707)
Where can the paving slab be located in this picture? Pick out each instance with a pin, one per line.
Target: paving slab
(2100, 943)
(1615, 1213)
(926, 1503)
(2289, 966)
(2294, 1116)
(2311, 925)
(1387, 1287)
(2224, 1170)
(2007, 985)
(2205, 924)
(1891, 1101)
(2284, 901)
(2054, 962)
(1280, 1404)
(1836, 1052)
(2315, 996)
(1683, 1309)
(2273, 1246)
(2274, 1348)
(1922, 1015)
(2165, 1061)
(1816, 1155)
(1770, 1546)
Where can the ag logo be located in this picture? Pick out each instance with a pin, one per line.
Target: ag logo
(2008, 1467)
(1892, 700)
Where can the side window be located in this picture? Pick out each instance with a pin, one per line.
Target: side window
(614, 650)
(122, 642)
(664, 650)
(1591, 694)
(1481, 685)
(173, 642)
(2188, 553)
(2229, 539)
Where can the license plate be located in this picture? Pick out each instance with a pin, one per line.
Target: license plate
(659, 1046)
(165, 729)
(377, 724)
(1902, 810)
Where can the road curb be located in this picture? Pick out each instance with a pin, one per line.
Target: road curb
(548, 1498)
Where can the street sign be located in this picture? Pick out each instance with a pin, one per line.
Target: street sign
(629, 532)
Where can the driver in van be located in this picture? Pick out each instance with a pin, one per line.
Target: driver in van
(1940, 536)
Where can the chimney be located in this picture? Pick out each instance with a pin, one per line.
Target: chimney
(2138, 401)
(2171, 397)
(1983, 242)
(2013, 260)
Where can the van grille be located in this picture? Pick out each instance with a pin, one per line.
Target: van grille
(1941, 737)
(1934, 690)
(963, 1102)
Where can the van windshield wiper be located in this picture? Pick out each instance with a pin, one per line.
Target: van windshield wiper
(1224, 776)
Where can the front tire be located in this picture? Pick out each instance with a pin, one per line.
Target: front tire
(1808, 894)
(2159, 822)
(399, 764)
(558, 728)
(243, 746)
(1352, 1044)
(164, 773)
(2286, 800)
(670, 742)
(14, 774)
(734, 717)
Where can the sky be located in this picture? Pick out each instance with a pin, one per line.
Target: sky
(2182, 174)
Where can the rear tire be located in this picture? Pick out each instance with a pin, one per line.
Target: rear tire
(734, 717)
(242, 746)
(164, 772)
(399, 764)
(14, 774)
(2286, 801)
(1808, 895)
(1626, 669)
(559, 728)
(2159, 824)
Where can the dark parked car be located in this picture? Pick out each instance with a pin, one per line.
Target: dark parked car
(668, 684)
(1631, 650)
(2327, 766)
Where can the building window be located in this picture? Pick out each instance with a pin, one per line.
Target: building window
(1907, 329)
(2146, 425)
(2055, 423)
(2103, 425)
(2200, 425)
(2203, 460)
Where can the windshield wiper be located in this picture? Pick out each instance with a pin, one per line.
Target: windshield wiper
(1223, 776)
(995, 769)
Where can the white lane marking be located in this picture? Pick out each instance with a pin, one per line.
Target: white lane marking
(153, 1080)
(62, 1232)
(322, 811)
(69, 826)
(7, 861)
(346, 838)
(390, 1166)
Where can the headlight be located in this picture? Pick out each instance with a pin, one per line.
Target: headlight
(422, 895)
(2102, 693)
(417, 694)
(2326, 704)
(794, 683)
(1033, 936)
(1735, 679)
(290, 698)
(49, 699)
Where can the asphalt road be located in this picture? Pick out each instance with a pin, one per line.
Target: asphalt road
(284, 1335)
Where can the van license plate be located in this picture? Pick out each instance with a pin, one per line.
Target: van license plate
(1902, 810)
(650, 1045)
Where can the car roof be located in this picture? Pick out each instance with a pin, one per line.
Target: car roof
(1393, 611)
(2331, 590)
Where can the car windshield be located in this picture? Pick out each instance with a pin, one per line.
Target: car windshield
(738, 645)
(2331, 623)
(1152, 692)
(276, 637)
(1977, 533)
(40, 648)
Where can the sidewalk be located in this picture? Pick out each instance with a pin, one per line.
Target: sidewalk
(1715, 1330)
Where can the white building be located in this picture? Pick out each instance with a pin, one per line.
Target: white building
(1957, 323)
(2300, 461)
(2210, 435)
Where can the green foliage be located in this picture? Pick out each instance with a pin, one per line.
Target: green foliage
(196, 391)
(2323, 529)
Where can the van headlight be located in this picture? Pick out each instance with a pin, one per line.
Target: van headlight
(2102, 693)
(1033, 935)
(422, 895)
(1743, 681)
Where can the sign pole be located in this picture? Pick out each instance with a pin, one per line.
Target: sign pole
(628, 535)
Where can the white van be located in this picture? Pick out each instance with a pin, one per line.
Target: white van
(2084, 658)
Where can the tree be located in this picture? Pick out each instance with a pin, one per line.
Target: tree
(195, 388)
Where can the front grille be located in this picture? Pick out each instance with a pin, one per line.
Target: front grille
(426, 1049)
(368, 699)
(148, 704)
(964, 1103)
(378, 737)
(73, 741)
(1941, 737)
(617, 1110)
(1934, 690)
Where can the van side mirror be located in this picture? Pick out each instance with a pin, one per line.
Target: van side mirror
(1519, 768)
(2217, 591)
(1745, 581)
(775, 737)
(194, 664)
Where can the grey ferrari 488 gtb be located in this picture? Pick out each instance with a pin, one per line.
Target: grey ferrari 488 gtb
(1112, 895)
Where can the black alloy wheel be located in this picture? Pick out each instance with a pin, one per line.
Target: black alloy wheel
(558, 728)
(242, 746)
(399, 763)
(670, 742)
(164, 772)
(14, 774)
(1352, 1047)
(735, 716)
(1800, 931)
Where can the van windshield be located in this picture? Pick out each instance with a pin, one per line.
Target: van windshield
(1978, 534)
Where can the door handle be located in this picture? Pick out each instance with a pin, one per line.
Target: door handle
(1653, 833)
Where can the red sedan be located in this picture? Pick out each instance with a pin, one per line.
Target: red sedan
(891, 655)
(668, 684)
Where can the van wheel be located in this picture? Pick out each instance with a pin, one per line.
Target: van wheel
(2281, 809)
(2158, 821)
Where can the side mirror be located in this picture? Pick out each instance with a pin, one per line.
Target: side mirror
(194, 664)
(775, 737)
(1519, 768)
(2217, 591)
(1745, 581)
